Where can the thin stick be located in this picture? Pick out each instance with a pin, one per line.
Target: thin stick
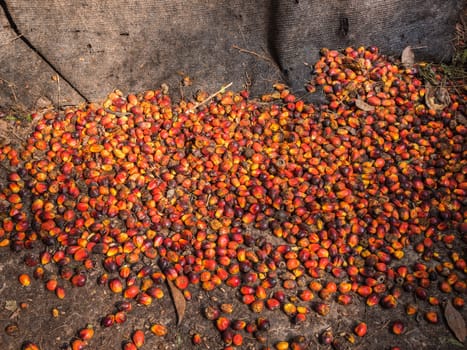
(11, 40)
(58, 91)
(210, 97)
(118, 114)
(12, 88)
(254, 54)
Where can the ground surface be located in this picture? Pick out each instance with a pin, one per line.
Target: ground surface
(88, 304)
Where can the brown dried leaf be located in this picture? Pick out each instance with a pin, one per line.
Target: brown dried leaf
(179, 301)
(455, 321)
(363, 105)
(11, 305)
(408, 57)
(436, 98)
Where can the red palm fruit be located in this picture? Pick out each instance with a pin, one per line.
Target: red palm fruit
(116, 285)
(273, 304)
(257, 306)
(364, 291)
(211, 312)
(222, 323)
(60, 292)
(78, 344)
(155, 292)
(432, 317)
(248, 299)
(282, 345)
(344, 299)
(227, 308)
(86, 333)
(344, 287)
(131, 292)
(411, 309)
(196, 339)
(29, 346)
(143, 299)
(120, 317)
(24, 279)
(108, 320)
(78, 280)
(279, 295)
(246, 290)
(460, 287)
(233, 281)
(45, 257)
(128, 345)
(306, 295)
(66, 272)
(327, 337)
(227, 336)
(51, 284)
(159, 330)
(124, 306)
(237, 339)
(181, 282)
(238, 325)
(445, 287)
(388, 302)
(373, 300)
(260, 292)
(458, 302)
(138, 338)
(322, 308)
(315, 286)
(421, 293)
(289, 309)
(360, 329)
(299, 318)
(289, 284)
(398, 327)
(38, 273)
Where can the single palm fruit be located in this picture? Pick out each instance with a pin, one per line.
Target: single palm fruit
(360, 329)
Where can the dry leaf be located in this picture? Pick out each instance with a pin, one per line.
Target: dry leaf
(363, 105)
(408, 57)
(11, 305)
(436, 98)
(179, 301)
(455, 321)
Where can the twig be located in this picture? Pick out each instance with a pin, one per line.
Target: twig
(118, 114)
(12, 88)
(11, 40)
(57, 79)
(210, 97)
(254, 54)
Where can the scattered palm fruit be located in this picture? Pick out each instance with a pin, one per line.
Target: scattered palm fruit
(397, 327)
(159, 329)
(138, 338)
(29, 346)
(86, 333)
(24, 279)
(432, 317)
(343, 189)
(78, 344)
(360, 329)
(196, 339)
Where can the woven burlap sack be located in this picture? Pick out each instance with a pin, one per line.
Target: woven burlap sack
(64, 52)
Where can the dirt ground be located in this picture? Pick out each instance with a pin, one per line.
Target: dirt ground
(88, 304)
